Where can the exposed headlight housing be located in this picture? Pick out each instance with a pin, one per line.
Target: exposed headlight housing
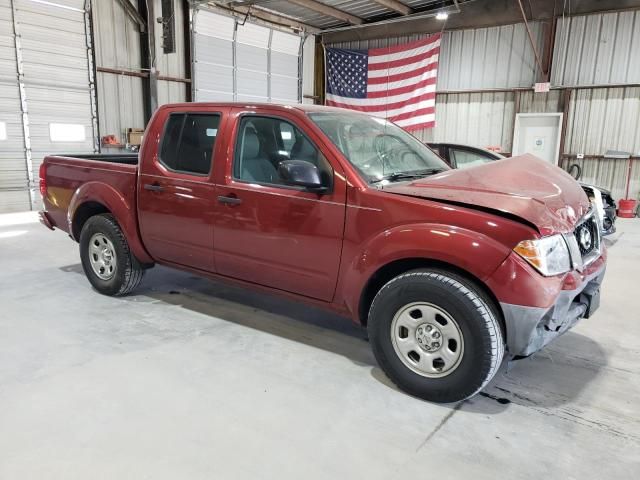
(549, 255)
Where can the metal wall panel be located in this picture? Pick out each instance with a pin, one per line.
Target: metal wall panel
(481, 119)
(14, 184)
(244, 61)
(598, 49)
(531, 102)
(117, 45)
(172, 64)
(602, 119)
(483, 58)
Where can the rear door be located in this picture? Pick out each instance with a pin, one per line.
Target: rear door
(175, 193)
(267, 232)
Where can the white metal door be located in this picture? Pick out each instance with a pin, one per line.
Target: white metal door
(243, 61)
(538, 134)
(14, 180)
(54, 56)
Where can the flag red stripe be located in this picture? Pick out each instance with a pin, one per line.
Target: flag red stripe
(404, 61)
(404, 46)
(419, 126)
(384, 106)
(402, 76)
(415, 113)
(400, 90)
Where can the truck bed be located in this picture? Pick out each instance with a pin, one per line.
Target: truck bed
(125, 158)
(66, 174)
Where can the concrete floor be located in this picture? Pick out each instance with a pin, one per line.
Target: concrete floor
(190, 379)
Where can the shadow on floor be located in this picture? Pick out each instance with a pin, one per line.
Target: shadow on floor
(551, 378)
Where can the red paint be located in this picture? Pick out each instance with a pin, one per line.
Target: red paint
(323, 249)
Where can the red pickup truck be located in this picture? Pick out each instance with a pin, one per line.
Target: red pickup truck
(447, 269)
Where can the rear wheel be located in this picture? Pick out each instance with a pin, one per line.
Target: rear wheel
(106, 259)
(435, 335)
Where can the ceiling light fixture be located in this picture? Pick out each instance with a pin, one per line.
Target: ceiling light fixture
(442, 16)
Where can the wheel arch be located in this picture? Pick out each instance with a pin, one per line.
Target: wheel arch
(397, 267)
(96, 198)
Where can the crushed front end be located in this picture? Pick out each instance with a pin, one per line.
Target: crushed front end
(538, 308)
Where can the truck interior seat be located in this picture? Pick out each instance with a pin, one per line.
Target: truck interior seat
(254, 165)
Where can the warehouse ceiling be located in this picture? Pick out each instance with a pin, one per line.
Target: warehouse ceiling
(345, 20)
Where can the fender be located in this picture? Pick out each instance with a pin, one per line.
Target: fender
(121, 208)
(467, 250)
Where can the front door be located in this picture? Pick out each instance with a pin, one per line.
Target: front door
(175, 196)
(272, 234)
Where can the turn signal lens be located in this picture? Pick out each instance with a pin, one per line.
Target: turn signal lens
(549, 255)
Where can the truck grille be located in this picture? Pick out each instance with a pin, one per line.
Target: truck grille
(588, 236)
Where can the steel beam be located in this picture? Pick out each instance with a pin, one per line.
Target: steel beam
(329, 11)
(267, 16)
(396, 6)
(133, 13)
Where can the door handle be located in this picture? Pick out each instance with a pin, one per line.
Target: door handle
(230, 200)
(154, 187)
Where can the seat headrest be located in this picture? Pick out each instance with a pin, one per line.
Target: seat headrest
(303, 149)
(251, 144)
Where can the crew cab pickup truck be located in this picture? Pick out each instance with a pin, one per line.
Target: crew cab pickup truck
(449, 270)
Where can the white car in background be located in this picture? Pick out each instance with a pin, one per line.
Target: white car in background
(466, 156)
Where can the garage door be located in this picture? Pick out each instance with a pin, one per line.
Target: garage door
(14, 182)
(53, 55)
(242, 61)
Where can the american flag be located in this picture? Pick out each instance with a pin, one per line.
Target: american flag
(398, 83)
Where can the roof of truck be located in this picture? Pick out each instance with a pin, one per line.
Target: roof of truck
(274, 106)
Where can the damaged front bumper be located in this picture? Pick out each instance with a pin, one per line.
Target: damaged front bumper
(531, 328)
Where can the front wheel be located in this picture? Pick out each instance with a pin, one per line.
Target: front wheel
(435, 335)
(106, 259)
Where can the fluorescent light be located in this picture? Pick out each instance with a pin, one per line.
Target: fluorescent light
(442, 16)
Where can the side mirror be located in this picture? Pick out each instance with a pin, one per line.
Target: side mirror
(301, 173)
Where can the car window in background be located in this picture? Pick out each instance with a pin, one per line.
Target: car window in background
(467, 158)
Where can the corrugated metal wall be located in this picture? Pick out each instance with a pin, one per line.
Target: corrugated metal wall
(484, 119)
(172, 64)
(604, 119)
(485, 58)
(597, 49)
(117, 44)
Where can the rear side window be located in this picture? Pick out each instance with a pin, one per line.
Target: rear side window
(188, 141)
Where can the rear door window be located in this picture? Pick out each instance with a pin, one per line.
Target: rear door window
(188, 142)
(466, 158)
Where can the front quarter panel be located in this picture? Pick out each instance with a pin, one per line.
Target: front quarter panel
(382, 228)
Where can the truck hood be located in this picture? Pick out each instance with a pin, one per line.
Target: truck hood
(526, 187)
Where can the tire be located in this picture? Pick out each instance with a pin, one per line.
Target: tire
(123, 272)
(416, 307)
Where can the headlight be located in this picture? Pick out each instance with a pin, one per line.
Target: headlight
(549, 255)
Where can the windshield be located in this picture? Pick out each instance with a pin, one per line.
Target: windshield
(381, 151)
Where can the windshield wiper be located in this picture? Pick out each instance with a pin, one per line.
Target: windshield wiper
(394, 177)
